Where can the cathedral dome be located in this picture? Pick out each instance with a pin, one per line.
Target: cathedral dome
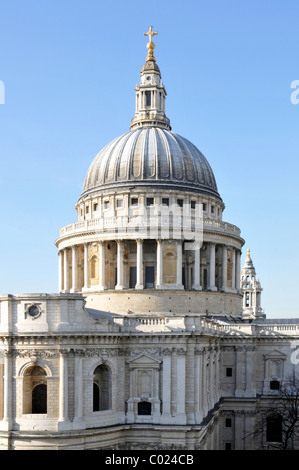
(151, 156)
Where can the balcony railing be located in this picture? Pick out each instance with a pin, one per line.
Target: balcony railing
(150, 226)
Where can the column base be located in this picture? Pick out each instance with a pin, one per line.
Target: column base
(212, 288)
(119, 287)
(139, 286)
(196, 287)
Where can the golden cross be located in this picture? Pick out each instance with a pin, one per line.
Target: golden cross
(150, 34)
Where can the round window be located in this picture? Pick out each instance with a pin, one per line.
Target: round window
(33, 311)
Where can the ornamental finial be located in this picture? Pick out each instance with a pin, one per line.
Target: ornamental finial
(248, 253)
(150, 45)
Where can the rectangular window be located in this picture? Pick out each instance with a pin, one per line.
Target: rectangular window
(204, 206)
(193, 204)
(147, 98)
(106, 204)
(134, 201)
(229, 372)
(212, 209)
(95, 207)
(180, 202)
(119, 203)
(149, 201)
(228, 423)
(165, 201)
(87, 209)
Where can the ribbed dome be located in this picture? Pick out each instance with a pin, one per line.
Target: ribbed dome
(152, 157)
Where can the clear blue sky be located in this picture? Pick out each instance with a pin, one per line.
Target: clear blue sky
(70, 68)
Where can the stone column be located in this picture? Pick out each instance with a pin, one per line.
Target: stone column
(74, 269)
(139, 265)
(250, 390)
(86, 267)
(101, 285)
(120, 265)
(204, 382)
(240, 368)
(63, 387)
(179, 265)
(166, 415)
(224, 268)
(159, 284)
(238, 270)
(78, 421)
(181, 385)
(60, 271)
(212, 286)
(196, 270)
(66, 271)
(198, 353)
(233, 269)
(7, 389)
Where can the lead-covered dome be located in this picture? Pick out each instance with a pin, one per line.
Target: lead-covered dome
(151, 156)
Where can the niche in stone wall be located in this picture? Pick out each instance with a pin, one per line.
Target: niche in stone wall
(169, 264)
(144, 387)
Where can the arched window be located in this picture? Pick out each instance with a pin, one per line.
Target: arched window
(35, 391)
(101, 388)
(274, 428)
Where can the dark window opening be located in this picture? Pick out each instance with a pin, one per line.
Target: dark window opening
(96, 397)
(274, 428)
(229, 372)
(165, 201)
(274, 385)
(193, 204)
(147, 98)
(134, 201)
(133, 277)
(149, 277)
(180, 202)
(39, 399)
(102, 388)
(228, 423)
(149, 201)
(144, 408)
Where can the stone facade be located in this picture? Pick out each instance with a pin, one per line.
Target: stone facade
(156, 338)
(169, 381)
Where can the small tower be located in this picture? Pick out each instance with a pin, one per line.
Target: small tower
(151, 93)
(251, 290)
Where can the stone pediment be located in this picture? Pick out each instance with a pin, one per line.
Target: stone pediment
(275, 355)
(144, 360)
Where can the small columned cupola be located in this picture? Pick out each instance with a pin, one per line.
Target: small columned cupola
(251, 290)
(151, 93)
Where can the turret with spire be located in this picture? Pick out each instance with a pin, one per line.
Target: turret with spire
(151, 93)
(251, 290)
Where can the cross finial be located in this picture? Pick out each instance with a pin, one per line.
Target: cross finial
(150, 45)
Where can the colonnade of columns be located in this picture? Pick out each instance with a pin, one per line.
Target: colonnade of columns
(69, 262)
